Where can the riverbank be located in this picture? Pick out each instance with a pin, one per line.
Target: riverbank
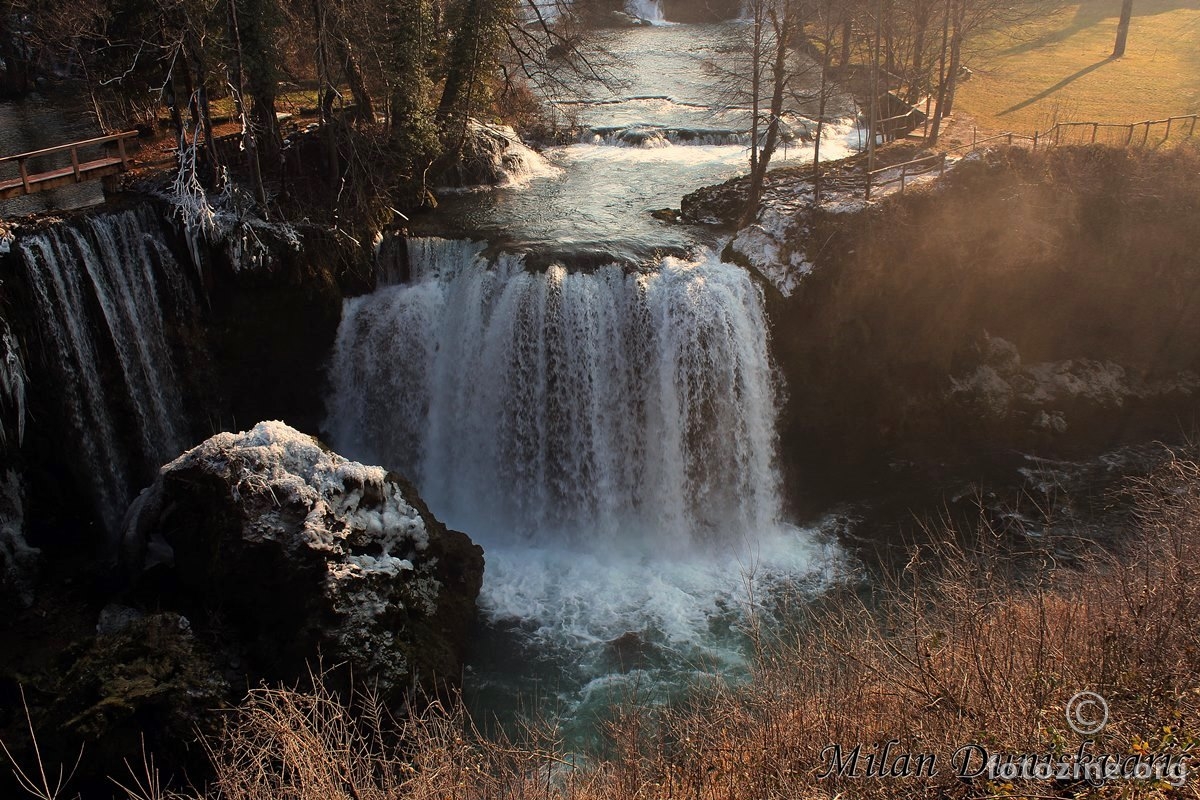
(967, 675)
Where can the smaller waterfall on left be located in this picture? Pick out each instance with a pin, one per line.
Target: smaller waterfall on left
(100, 287)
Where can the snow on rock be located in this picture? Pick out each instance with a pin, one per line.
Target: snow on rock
(304, 551)
(770, 243)
(1000, 385)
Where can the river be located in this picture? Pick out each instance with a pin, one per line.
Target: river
(608, 434)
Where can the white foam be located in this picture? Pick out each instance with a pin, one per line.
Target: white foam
(609, 438)
(649, 10)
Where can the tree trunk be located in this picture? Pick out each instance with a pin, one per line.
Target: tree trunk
(783, 30)
(201, 114)
(822, 100)
(364, 106)
(956, 37)
(755, 83)
(470, 50)
(847, 34)
(1123, 28)
(941, 89)
(238, 80)
(325, 94)
(268, 139)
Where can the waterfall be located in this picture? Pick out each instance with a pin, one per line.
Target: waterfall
(608, 437)
(612, 404)
(100, 287)
(650, 10)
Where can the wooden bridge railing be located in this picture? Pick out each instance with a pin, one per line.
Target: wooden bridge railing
(918, 166)
(78, 172)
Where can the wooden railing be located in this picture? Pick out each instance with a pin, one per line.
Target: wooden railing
(890, 127)
(918, 166)
(78, 172)
(1130, 128)
(1052, 137)
(1009, 139)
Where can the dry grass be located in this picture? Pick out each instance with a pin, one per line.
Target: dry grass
(1058, 69)
(970, 647)
(967, 645)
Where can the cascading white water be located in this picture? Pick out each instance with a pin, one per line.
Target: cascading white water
(119, 266)
(609, 437)
(650, 10)
(558, 405)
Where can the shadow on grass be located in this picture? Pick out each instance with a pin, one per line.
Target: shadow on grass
(1093, 12)
(1067, 81)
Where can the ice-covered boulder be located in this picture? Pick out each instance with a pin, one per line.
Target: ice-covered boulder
(285, 550)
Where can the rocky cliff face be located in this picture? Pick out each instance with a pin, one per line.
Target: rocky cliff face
(1041, 303)
(288, 551)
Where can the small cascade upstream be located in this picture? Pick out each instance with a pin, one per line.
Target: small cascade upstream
(637, 145)
(101, 287)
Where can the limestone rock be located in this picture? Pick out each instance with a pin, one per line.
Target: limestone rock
(290, 550)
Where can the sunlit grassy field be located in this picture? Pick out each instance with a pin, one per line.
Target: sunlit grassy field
(1058, 68)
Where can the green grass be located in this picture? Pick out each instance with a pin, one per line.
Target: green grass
(1058, 69)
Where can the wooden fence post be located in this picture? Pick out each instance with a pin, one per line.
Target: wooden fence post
(75, 164)
(1193, 128)
(1146, 135)
(24, 174)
